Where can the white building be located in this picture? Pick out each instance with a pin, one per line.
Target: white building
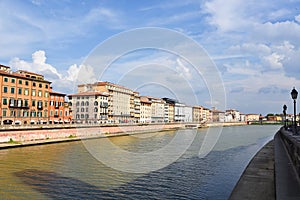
(232, 115)
(157, 110)
(119, 101)
(89, 107)
(188, 114)
(179, 112)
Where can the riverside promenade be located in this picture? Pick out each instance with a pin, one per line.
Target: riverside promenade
(274, 172)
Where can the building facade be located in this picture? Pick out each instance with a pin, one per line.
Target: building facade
(89, 107)
(119, 100)
(24, 97)
(188, 114)
(197, 114)
(57, 109)
(179, 112)
(157, 110)
(146, 111)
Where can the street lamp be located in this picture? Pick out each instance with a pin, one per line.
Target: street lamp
(284, 114)
(294, 95)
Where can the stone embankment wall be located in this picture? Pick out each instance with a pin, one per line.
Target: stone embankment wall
(292, 145)
(79, 132)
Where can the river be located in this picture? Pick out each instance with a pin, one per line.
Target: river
(71, 170)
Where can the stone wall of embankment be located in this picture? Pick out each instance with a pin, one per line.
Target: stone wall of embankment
(25, 135)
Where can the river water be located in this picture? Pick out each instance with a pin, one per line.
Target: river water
(70, 171)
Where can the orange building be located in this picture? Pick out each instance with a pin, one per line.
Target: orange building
(24, 97)
(58, 109)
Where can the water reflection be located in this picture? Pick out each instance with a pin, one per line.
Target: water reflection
(68, 171)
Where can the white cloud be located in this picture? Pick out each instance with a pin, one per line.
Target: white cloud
(63, 81)
(227, 16)
(274, 61)
(182, 69)
(297, 18)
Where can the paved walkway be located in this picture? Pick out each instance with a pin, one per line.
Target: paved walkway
(257, 181)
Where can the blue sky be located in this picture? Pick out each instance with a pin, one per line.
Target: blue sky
(254, 44)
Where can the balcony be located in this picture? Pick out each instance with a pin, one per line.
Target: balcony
(17, 104)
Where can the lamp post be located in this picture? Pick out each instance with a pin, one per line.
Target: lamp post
(284, 114)
(294, 95)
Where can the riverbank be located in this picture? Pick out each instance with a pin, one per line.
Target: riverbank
(18, 138)
(36, 135)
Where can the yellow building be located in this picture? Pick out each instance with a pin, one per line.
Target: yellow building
(197, 114)
(145, 110)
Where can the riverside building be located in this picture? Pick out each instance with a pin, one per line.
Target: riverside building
(146, 111)
(24, 97)
(89, 107)
(119, 100)
(59, 111)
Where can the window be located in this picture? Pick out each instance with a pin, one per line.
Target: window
(39, 114)
(95, 103)
(33, 84)
(87, 103)
(5, 79)
(4, 101)
(61, 113)
(39, 93)
(40, 104)
(33, 102)
(26, 83)
(87, 110)
(33, 114)
(46, 103)
(82, 116)
(82, 103)
(77, 116)
(26, 102)
(45, 114)
(95, 109)
(46, 86)
(12, 113)
(20, 82)
(19, 90)
(26, 91)
(66, 113)
(5, 89)
(4, 111)
(56, 112)
(77, 103)
(19, 113)
(25, 113)
(95, 116)
(46, 94)
(20, 103)
(82, 109)
(51, 113)
(12, 80)
(51, 103)
(12, 90)
(77, 109)
(86, 116)
(33, 93)
(40, 85)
